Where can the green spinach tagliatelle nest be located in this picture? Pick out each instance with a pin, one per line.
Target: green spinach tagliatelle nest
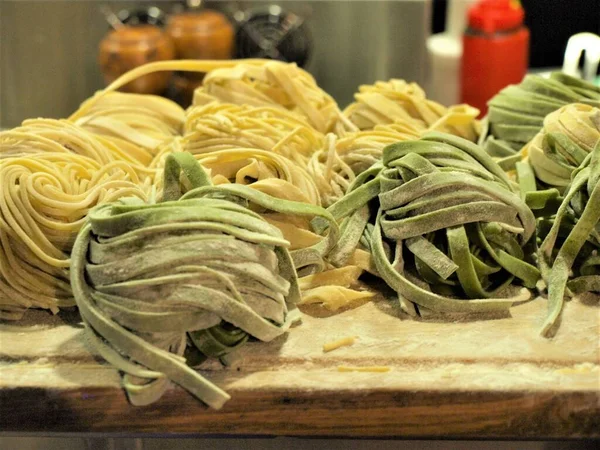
(516, 114)
(445, 226)
(201, 268)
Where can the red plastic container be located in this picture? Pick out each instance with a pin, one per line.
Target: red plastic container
(495, 50)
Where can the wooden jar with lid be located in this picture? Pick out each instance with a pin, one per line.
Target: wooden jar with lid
(204, 34)
(128, 47)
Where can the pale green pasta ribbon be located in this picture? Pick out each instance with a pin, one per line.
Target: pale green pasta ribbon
(572, 244)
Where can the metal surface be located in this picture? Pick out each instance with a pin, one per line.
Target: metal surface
(48, 49)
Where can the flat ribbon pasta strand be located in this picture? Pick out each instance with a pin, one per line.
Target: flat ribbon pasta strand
(575, 232)
(201, 264)
(43, 204)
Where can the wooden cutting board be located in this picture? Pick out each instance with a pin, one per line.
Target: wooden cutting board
(490, 377)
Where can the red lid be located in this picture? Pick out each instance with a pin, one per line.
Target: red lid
(491, 16)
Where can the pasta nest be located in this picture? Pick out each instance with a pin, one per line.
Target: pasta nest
(137, 124)
(516, 114)
(275, 84)
(36, 136)
(569, 134)
(43, 204)
(217, 126)
(465, 229)
(394, 101)
(201, 264)
(450, 232)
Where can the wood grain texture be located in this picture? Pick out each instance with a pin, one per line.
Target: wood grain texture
(486, 378)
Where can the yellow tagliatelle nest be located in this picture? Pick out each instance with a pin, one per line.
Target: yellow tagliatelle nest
(275, 84)
(55, 136)
(274, 175)
(334, 288)
(137, 124)
(390, 101)
(265, 171)
(568, 136)
(44, 200)
(37, 136)
(220, 126)
(396, 101)
(578, 121)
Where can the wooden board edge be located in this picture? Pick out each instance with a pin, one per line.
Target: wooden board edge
(373, 413)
